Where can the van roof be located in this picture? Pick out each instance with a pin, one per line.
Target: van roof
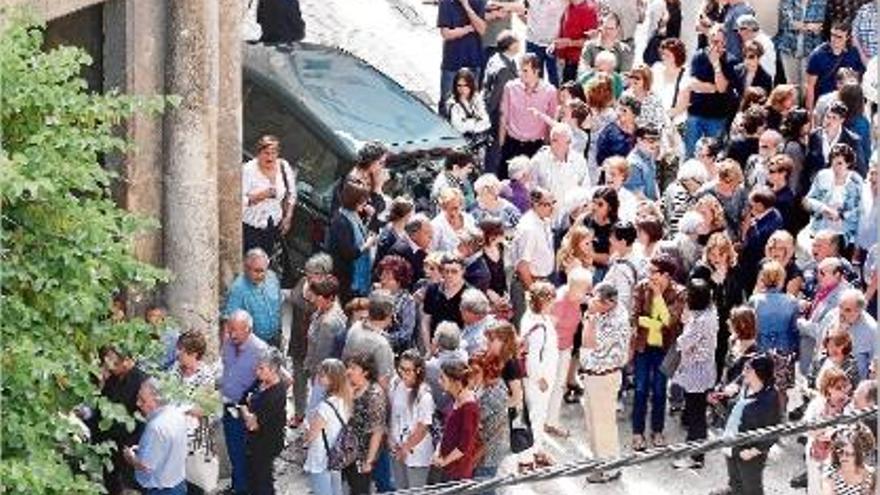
(349, 98)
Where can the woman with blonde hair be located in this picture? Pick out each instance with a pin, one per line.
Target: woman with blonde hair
(834, 392)
(538, 334)
(781, 248)
(718, 269)
(777, 314)
(576, 250)
(713, 216)
(451, 221)
(324, 426)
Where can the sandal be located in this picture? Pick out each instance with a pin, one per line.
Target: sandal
(556, 432)
(638, 443)
(658, 440)
(543, 460)
(295, 421)
(525, 467)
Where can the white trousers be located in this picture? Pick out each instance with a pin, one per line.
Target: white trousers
(554, 403)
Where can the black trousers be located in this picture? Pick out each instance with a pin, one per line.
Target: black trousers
(358, 483)
(261, 476)
(569, 72)
(264, 239)
(512, 148)
(695, 419)
(746, 477)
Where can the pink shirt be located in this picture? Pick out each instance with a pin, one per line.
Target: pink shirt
(567, 315)
(515, 103)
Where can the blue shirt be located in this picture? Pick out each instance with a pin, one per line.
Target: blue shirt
(466, 51)
(790, 11)
(732, 40)
(642, 174)
(777, 315)
(824, 64)
(262, 302)
(239, 364)
(162, 449)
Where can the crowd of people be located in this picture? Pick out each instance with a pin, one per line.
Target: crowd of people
(687, 230)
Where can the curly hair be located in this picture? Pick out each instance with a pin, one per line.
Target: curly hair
(711, 203)
(398, 267)
(720, 240)
(506, 333)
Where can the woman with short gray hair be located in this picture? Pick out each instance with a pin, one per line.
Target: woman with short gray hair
(264, 418)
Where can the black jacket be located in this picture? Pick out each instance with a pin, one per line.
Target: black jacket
(761, 79)
(281, 21)
(416, 259)
(762, 412)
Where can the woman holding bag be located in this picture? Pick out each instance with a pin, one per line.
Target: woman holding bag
(268, 196)
(538, 334)
(325, 426)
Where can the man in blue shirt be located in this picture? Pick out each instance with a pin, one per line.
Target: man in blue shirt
(258, 292)
(461, 24)
(735, 10)
(160, 457)
(239, 352)
(711, 92)
(826, 60)
(642, 180)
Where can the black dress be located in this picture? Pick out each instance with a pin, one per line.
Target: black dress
(264, 444)
(498, 279)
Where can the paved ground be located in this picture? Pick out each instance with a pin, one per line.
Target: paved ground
(658, 478)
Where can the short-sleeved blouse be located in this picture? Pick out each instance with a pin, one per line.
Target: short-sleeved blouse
(368, 412)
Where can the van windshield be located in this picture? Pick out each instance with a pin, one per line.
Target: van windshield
(352, 99)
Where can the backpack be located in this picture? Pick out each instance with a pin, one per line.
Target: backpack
(344, 450)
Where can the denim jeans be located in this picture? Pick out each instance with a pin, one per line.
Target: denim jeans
(649, 381)
(382, 472)
(484, 472)
(696, 127)
(326, 482)
(446, 78)
(236, 438)
(180, 489)
(547, 60)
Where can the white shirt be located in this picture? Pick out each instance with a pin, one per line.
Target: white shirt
(542, 26)
(629, 205)
(253, 180)
(316, 457)
(768, 59)
(559, 176)
(541, 344)
(470, 116)
(533, 243)
(405, 418)
(445, 237)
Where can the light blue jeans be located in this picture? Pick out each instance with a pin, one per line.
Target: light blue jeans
(326, 483)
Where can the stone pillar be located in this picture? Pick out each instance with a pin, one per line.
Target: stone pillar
(190, 219)
(134, 63)
(229, 135)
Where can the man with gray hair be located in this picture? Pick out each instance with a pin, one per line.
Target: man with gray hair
(415, 244)
(370, 337)
(445, 347)
(257, 290)
(604, 352)
(850, 314)
(475, 315)
(317, 267)
(239, 353)
(556, 167)
(757, 166)
(160, 458)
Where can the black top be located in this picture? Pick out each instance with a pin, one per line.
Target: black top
(440, 308)
(387, 237)
(342, 248)
(498, 279)
(712, 105)
(269, 407)
(120, 390)
(477, 274)
(761, 80)
(763, 411)
(741, 148)
(281, 21)
(601, 236)
(416, 259)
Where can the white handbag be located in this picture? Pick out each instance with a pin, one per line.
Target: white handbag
(251, 29)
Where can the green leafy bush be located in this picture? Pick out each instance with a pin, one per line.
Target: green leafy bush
(66, 250)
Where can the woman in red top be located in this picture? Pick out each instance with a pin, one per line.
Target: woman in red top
(580, 18)
(458, 447)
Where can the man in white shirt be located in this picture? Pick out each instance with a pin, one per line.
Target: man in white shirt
(542, 28)
(533, 248)
(556, 168)
(750, 29)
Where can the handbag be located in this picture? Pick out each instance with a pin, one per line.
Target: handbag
(202, 463)
(250, 28)
(671, 361)
(344, 450)
(521, 435)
